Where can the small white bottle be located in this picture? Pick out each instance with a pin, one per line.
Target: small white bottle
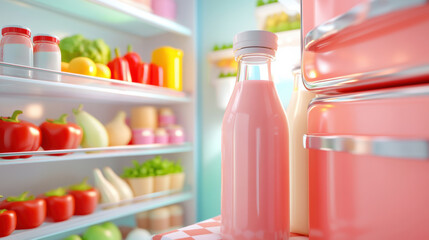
(16, 48)
(298, 155)
(47, 55)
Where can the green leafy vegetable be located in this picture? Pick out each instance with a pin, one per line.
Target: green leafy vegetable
(2, 211)
(78, 46)
(83, 186)
(21, 198)
(260, 3)
(152, 167)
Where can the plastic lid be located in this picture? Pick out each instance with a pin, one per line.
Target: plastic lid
(16, 29)
(255, 41)
(46, 37)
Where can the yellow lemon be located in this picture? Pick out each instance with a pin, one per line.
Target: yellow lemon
(64, 67)
(82, 65)
(103, 71)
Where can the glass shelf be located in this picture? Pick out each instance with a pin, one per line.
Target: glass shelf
(114, 14)
(93, 153)
(103, 214)
(16, 80)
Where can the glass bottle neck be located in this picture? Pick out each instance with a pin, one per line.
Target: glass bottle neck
(254, 67)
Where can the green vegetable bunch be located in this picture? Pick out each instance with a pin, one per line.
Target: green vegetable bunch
(225, 75)
(153, 167)
(79, 46)
(262, 2)
(224, 46)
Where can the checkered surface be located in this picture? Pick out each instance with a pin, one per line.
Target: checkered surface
(206, 230)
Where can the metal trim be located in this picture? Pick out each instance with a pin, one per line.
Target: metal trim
(417, 149)
(410, 91)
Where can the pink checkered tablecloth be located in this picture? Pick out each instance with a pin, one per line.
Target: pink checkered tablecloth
(205, 230)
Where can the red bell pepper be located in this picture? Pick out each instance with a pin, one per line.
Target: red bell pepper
(59, 205)
(7, 222)
(119, 68)
(133, 60)
(85, 198)
(58, 134)
(143, 73)
(156, 75)
(30, 212)
(18, 135)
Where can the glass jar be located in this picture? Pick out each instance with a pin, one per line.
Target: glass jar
(16, 48)
(47, 55)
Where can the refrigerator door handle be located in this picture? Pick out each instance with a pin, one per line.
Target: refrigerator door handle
(417, 149)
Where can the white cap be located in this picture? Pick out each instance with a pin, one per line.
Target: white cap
(255, 41)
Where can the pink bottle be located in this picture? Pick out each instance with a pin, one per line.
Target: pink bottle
(255, 166)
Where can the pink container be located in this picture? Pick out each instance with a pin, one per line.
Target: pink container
(164, 8)
(373, 45)
(161, 136)
(175, 134)
(143, 136)
(368, 165)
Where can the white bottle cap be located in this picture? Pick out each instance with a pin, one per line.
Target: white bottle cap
(255, 41)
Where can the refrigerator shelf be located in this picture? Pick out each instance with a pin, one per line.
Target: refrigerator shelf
(17, 80)
(115, 14)
(93, 153)
(139, 204)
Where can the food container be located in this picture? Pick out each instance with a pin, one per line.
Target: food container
(162, 183)
(165, 8)
(224, 88)
(176, 216)
(177, 181)
(161, 136)
(47, 55)
(141, 186)
(170, 59)
(143, 136)
(16, 48)
(144, 117)
(369, 165)
(156, 75)
(159, 220)
(175, 134)
(373, 45)
(142, 220)
(166, 117)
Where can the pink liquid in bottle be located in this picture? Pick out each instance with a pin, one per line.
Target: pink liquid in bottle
(255, 166)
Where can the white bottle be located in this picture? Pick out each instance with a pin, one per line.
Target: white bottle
(298, 155)
(47, 55)
(16, 48)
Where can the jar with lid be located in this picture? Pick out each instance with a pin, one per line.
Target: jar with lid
(47, 55)
(16, 48)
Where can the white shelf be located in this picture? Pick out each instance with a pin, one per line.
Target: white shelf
(77, 222)
(218, 55)
(108, 152)
(75, 86)
(114, 14)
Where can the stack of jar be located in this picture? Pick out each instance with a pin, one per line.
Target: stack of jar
(150, 125)
(16, 48)
(161, 219)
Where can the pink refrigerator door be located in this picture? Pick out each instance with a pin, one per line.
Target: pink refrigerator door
(374, 44)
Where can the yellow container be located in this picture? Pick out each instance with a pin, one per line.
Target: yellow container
(170, 59)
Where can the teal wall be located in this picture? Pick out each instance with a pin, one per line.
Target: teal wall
(218, 22)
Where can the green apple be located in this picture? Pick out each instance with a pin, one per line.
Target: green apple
(73, 237)
(97, 232)
(114, 229)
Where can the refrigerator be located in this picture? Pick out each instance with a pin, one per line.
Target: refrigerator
(118, 23)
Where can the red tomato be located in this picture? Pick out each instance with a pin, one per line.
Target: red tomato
(29, 214)
(7, 223)
(85, 201)
(59, 208)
